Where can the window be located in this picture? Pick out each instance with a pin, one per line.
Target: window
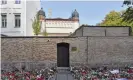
(17, 20)
(4, 2)
(17, 1)
(3, 20)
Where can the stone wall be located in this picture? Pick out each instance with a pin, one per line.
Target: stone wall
(102, 31)
(110, 50)
(38, 50)
(117, 31)
(94, 31)
(42, 52)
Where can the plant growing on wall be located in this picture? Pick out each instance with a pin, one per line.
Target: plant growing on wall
(36, 25)
(45, 33)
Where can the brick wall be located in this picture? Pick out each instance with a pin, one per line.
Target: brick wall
(110, 50)
(42, 52)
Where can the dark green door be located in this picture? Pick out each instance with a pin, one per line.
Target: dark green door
(63, 55)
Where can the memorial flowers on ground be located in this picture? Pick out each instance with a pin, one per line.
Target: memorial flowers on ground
(79, 73)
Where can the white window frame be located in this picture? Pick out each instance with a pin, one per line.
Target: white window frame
(3, 20)
(18, 22)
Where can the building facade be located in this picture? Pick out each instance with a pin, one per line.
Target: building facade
(59, 26)
(16, 16)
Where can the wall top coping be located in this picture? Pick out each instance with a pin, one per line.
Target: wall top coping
(37, 37)
(103, 27)
(66, 37)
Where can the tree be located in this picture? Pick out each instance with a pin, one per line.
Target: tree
(124, 18)
(113, 19)
(128, 2)
(36, 25)
(128, 15)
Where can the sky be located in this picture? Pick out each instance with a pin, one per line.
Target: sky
(90, 12)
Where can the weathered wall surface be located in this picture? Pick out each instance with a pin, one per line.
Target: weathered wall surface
(116, 31)
(102, 31)
(41, 52)
(93, 31)
(110, 50)
(79, 32)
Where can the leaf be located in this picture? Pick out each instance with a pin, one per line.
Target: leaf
(36, 25)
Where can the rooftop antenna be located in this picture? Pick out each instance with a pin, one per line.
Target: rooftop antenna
(49, 13)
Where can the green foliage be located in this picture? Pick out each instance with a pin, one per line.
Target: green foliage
(128, 15)
(36, 25)
(127, 2)
(112, 19)
(45, 33)
(115, 19)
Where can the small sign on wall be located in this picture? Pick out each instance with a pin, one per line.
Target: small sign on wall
(74, 49)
